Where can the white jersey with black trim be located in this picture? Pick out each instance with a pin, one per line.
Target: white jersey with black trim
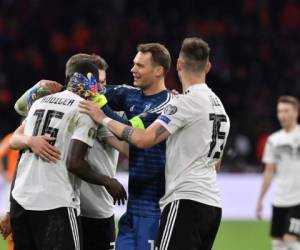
(42, 185)
(283, 150)
(96, 202)
(199, 127)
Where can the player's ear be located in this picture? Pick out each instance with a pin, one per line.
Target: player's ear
(207, 67)
(159, 71)
(179, 64)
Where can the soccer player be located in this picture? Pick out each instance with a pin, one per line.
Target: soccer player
(282, 161)
(97, 209)
(142, 104)
(45, 205)
(197, 127)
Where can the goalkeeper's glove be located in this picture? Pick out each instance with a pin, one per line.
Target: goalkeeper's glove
(99, 99)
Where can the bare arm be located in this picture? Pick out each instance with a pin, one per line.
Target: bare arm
(117, 144)
(267, 180)
(142, 138)
(77, 165)
(40, 145)
(218, 166)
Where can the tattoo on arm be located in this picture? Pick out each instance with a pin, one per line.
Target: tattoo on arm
(159, 131)
(127, 133)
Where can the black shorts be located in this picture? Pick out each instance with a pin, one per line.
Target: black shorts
(285, 220)
(188, 225)
(57, 229)
(98, 234)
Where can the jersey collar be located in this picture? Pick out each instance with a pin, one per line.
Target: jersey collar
(196, 86)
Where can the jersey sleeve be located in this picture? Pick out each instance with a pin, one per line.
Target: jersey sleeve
(110, 113)
(117, 95)
(85, 129)
(175, 115)
(269, 154)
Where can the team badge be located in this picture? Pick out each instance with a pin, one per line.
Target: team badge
(92, 133)
(170, 110)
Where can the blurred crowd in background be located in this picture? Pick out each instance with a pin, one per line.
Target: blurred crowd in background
(254, 53)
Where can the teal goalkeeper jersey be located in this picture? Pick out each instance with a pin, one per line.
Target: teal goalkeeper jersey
(146, 166)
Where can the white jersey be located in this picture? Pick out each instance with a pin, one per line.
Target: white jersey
(96, 202)
(199, 127)
(283, 150)
(42, 185)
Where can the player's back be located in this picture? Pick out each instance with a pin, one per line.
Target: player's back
(42, 185)
(199, 126)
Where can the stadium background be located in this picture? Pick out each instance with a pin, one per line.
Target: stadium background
(255, 57)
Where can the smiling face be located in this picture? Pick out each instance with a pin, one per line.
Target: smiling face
(144, 71)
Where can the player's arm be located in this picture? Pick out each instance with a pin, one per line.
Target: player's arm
(42, 88)
(269, 171)
(77, 165)
(115, 100)
(218, 166)
(142, 138)
(40, 145)
(121, 146)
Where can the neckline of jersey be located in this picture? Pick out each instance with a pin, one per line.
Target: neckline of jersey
(159, 93)
(196, 86)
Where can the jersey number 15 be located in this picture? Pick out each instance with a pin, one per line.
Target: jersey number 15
(216, 134)
(52, 132)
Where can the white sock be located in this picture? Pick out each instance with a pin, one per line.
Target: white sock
(278, 245)
(293, 245)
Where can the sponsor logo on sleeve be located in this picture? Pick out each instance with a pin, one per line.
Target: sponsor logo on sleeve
(164, 118)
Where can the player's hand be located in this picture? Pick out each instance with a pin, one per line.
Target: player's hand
(117, 191)
(51, 86)
(92, 110)
(41, 146)
(5, 226)
(174, 92)
(258, 211)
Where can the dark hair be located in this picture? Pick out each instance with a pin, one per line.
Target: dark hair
(81, 57)
(160, 54)
(86, 67)
(289, 99)
(195, 54)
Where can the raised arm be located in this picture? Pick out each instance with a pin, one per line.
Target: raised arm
(42, 88)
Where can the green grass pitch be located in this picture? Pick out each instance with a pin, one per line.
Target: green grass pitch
(243, 235)
(234, 235)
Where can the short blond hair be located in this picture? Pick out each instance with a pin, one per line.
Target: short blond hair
(289, 99)
(81, 57)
